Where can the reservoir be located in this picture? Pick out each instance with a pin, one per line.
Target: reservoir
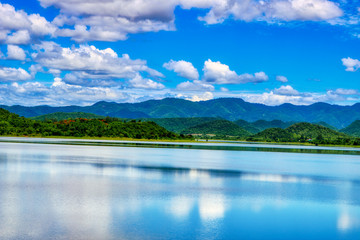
(101, 190)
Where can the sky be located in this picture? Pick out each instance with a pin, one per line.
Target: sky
(79, 52)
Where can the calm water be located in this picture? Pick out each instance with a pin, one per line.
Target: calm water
(102, 192)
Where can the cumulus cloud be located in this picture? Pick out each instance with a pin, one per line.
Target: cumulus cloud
(13, 74)
(17, 27)
(197, 97)
(183, 69)
(59, 93)
(16, 53)
(281, 79)
(218, 73)
(224, 89)
(273, 10)
(145, 83)
(286, 91)
(196, 85)
(114, 20)
(351, 64)
(19, 37)
(89, 63)
(287, 94)
(342, 91)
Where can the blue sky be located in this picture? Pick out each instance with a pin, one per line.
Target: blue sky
(272, 52)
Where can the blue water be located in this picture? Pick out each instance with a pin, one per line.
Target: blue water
(100, 192)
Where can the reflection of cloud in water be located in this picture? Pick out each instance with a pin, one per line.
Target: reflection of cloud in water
(84, 204)
(275, 178)
(9, 214)
(347, 222)
(180, 206)
(212, 206)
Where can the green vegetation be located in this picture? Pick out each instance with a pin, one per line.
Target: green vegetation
(247, 126)
(220, 128)
(178, 125)
(81, 124)
(305, 132)
(225, 108)
(13, 125)
(58, 116)
(324, 124)
(353, 129)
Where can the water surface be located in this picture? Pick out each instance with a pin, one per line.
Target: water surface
(105, 192)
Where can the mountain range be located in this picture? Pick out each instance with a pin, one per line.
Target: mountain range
(226, 108)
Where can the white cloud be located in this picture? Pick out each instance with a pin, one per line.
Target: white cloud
(17, 27)
(89, 63)
(183, 69)
(286, 91)
(19, 37)
(140, 82)
(114, 20)
(351, 64)
(224, 89)
(15, 52)
(203, 97)
(287, 94)
(342, 91)
(60, 93)
(13, 74)
(196, 85)
(303, 10)
(218, 73)
(273, 10)
(281, 79)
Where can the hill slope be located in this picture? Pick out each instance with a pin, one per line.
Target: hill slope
(57, 116)
(302, 132)
(179, 124)
(353, 129)
(227, 108)
(13, 125)
(218, 127)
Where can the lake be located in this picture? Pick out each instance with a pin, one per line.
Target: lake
(77, 189)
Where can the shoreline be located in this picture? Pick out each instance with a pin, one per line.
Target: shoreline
(189, 145)
(182, 141)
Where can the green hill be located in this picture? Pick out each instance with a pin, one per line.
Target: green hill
(226, 108)
(304, 132)
(353, 129)
(14, 125)
(247, 126)
(263, 124)
(322, 123)
(179, 124)
(219, 128)
(58, 116)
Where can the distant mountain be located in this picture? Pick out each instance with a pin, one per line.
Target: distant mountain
(353, 129)
(218, 127)
(299, 132)
(227, 108)
(58, 116)
(177, 125)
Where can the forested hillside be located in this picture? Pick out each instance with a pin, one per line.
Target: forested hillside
(305, 132)
(220, 128)
(353, 129)
(58, 116)
(227, 108)
(13, 125)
